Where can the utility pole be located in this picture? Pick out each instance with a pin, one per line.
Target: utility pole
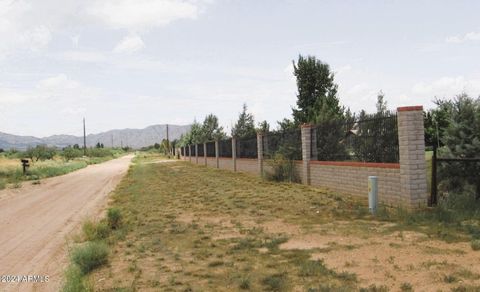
(84, 139)
(168, 142)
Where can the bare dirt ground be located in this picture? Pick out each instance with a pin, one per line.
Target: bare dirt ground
(36, 220)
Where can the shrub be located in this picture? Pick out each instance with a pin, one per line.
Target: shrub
(475, 244)
(283, 169)
(90, 256)
(3, 184)
(276, 282)
(244, 283)
(74, 280)
(95, 231)
(114, 218)
(70, 153)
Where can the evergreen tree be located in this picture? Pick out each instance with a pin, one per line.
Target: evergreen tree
(317, 92)
(462, 140)
(211, 130)
(245, 126)
(263, 127)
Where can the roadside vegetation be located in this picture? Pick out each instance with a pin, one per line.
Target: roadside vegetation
(224, 231)
(91, 250)
(48, 162)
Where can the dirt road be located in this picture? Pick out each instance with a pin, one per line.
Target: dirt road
(36, 220)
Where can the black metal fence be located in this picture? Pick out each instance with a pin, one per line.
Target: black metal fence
(453, 175)
(187, 151)
(210, 149)
(286, 143)
(200, 150)
(193, 150)
(374, 138)
(247, 147)
(225, 148)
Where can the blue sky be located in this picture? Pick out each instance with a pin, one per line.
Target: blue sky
(133, 63)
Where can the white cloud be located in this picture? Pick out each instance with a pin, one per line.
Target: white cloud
(73, 110)
(471, 36)
(447, 87)
(36, 38)
(129, 44)
(142, 14)
(60, 81)
(82, 56)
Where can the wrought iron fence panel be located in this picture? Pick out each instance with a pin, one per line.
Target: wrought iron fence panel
(211, 149)
(247, 147)
(225, 148)
(286, 143)
(200, 150)
(371, 139)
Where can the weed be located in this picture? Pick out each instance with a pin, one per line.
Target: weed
(114, 218)
(275, 282)
(95, 231)
(450, 279)
(90, 256)
(275, 242)
(74, 281)
(215, 264)
(244, 283)
(313, 269)
(475, 244)
(374, 288)
(406, 287)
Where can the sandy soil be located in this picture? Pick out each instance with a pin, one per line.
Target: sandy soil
(37, 220)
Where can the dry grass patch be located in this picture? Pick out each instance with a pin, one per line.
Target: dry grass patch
(192, 228)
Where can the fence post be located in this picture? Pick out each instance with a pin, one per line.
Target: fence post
(217, 154)
(196, 153)
(313, 145)
(260, 152)
(190, 153)
(306, 152)
(205, 153)
(411, 140)
(234, 153)
(433, 197)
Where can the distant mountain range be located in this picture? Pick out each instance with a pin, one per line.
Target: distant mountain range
(135, 138)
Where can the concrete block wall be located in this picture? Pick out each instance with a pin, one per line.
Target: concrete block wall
(247, 165)
(212, 162)
(402, 183)
(352, 178)
(225, 163)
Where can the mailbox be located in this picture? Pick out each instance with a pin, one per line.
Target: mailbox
(25, 165)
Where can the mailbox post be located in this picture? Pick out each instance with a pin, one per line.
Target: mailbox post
(25, 165)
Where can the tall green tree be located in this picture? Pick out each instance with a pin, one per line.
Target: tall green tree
(462, 139)
(373, 138)
(263, 127)
(245, 125)
(436, 122)
(211, 130)
(317, 99)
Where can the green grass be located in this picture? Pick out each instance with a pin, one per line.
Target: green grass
(75, 281)
(95, 231)
(114, 218)
(11, 172)
(90, 256)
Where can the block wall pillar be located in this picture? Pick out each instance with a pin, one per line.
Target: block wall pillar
(411, 140)
(306, 152)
